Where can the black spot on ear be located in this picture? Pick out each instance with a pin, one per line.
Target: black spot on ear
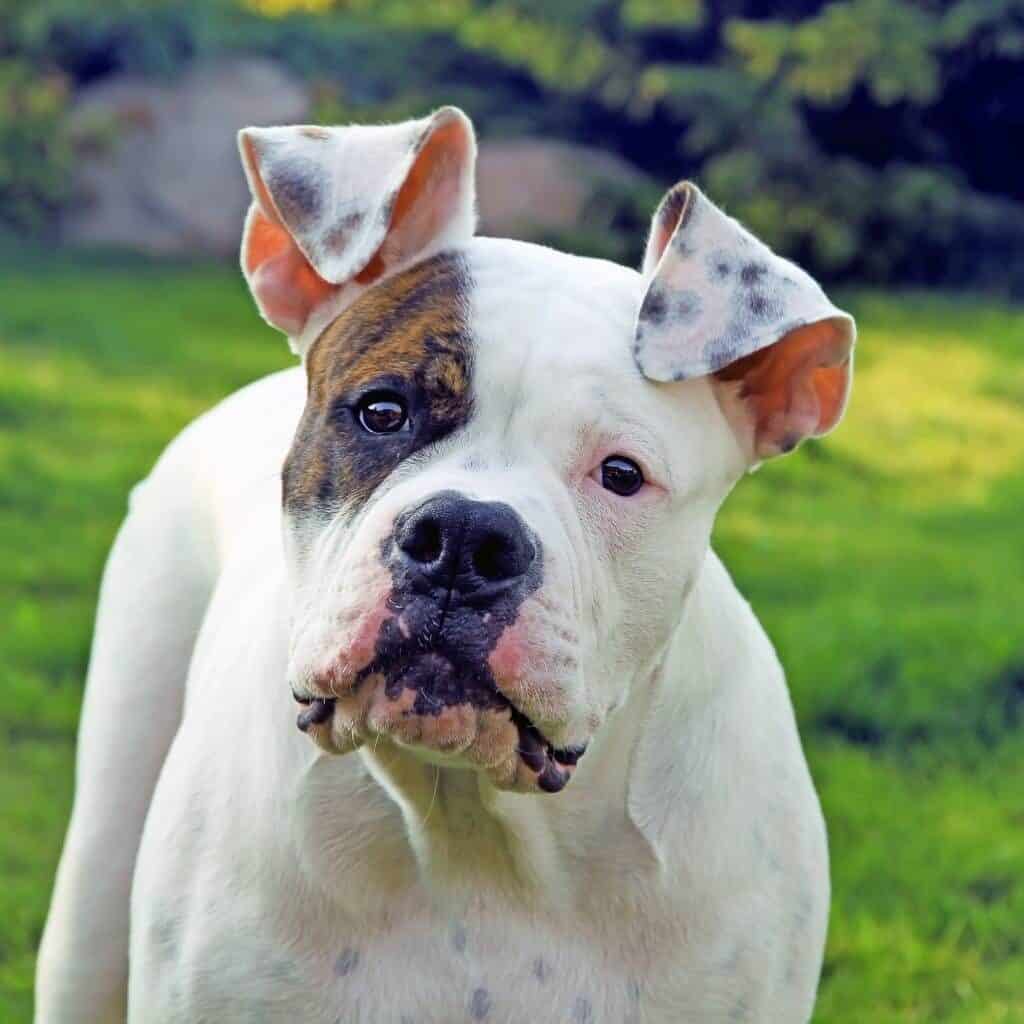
(480, 1004)
(764, 308)
(341, 233)
(686, 306)
(295, 186)
(719, 266)
(684, 250)
(347, 962)
(752, 273)
(655, 305)
(729, 346)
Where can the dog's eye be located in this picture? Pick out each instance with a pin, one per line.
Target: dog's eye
(621, 475)
(382, 412)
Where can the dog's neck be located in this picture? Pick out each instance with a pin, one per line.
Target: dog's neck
(468, 836)
(540, 849)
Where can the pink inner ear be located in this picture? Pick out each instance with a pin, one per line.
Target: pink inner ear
(659, 238)
(666, 219)
(794, 389)
(284, 284)
(426, 201)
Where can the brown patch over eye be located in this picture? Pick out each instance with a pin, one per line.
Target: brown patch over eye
(405, 342)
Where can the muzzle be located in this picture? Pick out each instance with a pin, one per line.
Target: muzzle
(461, 570)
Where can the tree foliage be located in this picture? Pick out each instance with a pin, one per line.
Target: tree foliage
(872, 139)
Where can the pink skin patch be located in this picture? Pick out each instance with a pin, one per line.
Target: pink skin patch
(348, 648)
(508, 657)
(341, 673)
(528, 661)
(364, 645)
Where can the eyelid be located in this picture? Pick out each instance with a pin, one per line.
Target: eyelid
(352, 399)
(383, 390)
(385, 382)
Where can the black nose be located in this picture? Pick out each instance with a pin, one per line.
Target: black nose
(465, 545)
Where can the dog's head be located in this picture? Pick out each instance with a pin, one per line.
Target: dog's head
(504, 481)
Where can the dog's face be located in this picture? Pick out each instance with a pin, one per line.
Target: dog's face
(493, 514)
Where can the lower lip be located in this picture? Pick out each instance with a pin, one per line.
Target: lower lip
(316, 713)
(535, 751)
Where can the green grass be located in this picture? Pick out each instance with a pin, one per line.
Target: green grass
(886, 562)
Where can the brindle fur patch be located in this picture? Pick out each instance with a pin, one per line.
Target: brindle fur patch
(407, 334)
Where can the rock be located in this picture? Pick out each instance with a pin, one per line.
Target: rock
(530, 188)
(170, 180)
(160, 170)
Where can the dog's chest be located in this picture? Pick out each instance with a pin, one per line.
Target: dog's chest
(427, 968)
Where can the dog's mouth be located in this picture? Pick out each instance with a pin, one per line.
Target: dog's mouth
(551, 764)
(424, 691)
(318, 710)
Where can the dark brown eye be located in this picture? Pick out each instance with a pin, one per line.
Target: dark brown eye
(621, 475)
(382, 412)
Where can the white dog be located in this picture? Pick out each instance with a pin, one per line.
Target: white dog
(570, 786)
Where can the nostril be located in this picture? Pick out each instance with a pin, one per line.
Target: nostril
(500, 557)
(462, 544)
(423, 540)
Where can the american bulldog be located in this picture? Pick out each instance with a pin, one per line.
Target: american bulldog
(545, 765)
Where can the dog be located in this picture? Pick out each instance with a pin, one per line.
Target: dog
(484, 731)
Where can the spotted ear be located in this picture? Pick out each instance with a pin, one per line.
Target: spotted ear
(720, 303)
(343, 207)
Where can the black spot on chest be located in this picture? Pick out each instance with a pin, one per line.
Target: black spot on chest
(480, 1004)
(346, 963)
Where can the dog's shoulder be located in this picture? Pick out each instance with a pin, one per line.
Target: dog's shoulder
(241, 432)
(223, 469)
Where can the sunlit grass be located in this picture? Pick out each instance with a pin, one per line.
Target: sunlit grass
(886, 562)
(925, 419)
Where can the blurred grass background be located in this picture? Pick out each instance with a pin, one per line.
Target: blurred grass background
(872, 140)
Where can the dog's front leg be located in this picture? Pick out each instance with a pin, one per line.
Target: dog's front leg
(154, 592)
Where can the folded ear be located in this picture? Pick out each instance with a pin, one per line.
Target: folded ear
(337, 206)
(720, 303)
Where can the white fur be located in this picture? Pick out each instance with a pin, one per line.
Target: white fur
(682, 874)
(721, 294)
